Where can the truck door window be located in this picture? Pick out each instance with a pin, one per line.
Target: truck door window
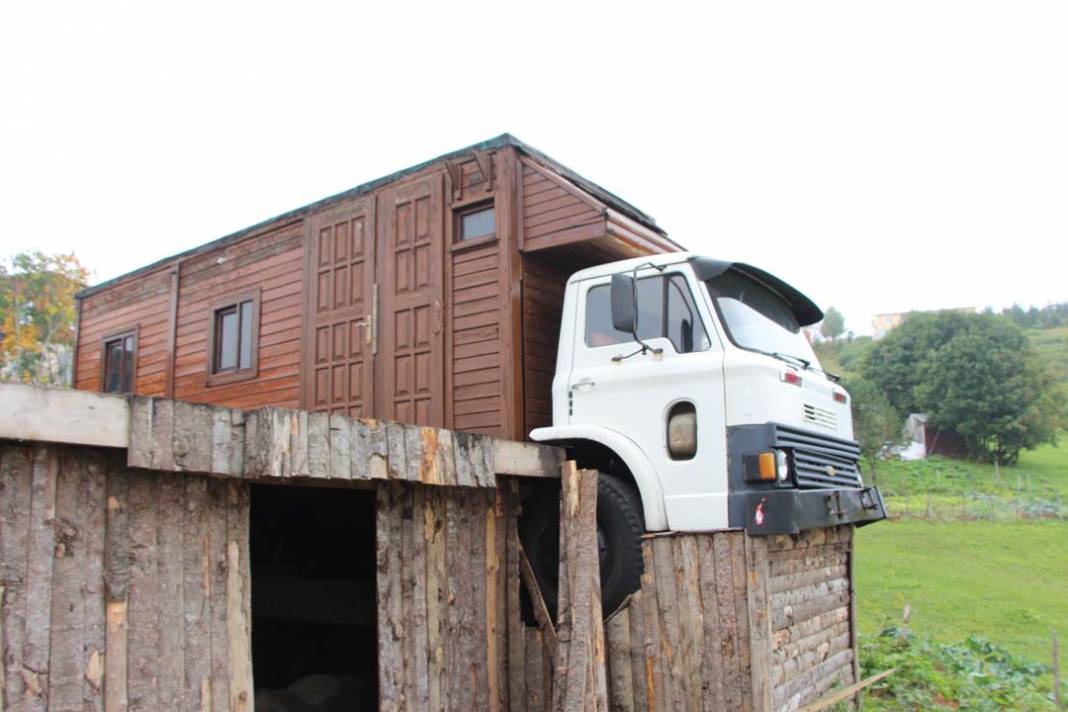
(665, 309)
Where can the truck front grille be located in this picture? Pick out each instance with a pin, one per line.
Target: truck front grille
(819, 461)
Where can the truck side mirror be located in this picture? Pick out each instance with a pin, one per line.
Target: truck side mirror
(623, 306)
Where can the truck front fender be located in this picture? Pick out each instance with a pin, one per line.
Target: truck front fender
(641, 469)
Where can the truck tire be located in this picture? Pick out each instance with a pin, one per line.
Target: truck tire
(619, 531)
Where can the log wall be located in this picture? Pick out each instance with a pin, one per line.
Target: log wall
(729, 622)
(122, 589)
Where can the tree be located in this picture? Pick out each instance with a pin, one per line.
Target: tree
(37, 317)
(833, 324)
(973, 374)
(876, 425)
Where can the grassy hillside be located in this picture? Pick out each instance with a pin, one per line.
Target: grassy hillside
(972, 554)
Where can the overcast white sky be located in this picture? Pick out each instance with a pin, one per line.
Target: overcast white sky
(881, 157)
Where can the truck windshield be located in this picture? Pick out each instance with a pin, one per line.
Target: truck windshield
(757, 319)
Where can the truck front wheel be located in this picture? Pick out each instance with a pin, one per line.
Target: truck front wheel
(619, 531)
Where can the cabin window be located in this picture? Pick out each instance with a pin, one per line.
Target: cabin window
(665, 309)
(119, 362)
(233, 338)
(475, 222)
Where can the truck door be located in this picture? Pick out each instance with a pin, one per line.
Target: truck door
(636, 394)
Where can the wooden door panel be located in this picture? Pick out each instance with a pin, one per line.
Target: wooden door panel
(340, 379)
(411, 344)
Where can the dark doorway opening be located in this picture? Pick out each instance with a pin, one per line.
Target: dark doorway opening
(314, 638)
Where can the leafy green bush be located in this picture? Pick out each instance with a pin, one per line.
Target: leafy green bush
(972, 675)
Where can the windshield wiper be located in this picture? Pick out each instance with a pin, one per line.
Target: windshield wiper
(783, 357)
(807, 365)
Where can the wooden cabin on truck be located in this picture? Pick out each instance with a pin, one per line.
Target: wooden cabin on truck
(431, 296)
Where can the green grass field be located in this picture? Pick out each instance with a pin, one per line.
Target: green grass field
(1005, 579)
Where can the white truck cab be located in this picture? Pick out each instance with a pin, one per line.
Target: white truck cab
(696, 375)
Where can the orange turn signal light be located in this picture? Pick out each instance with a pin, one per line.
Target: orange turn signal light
(766, 466)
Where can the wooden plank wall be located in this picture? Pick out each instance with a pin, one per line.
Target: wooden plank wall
(810, 597)
(543, 298)
(272, 262)
(475, 338)
(445, 624)
(556, 211)
(144, 303)
(122, 589)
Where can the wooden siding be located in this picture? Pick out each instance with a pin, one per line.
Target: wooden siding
(554, 211)
(123, 589)
(144, 303)
(543, 299)
(272, 262)
(475, 321)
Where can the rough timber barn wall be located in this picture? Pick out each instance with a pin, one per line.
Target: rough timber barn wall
(725, 621)
(123, 589)
(141, 305)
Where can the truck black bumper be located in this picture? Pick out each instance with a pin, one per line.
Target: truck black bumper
(789, 511)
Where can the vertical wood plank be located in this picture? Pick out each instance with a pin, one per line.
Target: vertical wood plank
(16, 477)
(117, 579)
(667, 609)
(163, 435)
(68, 601)
(318, 444)
(95, 611)
(171, 603)
(144, 593)
(139, 452)
(217, 581)
(340, 454)
(39, 580)
(741, 615)
(378, 445)
(388, 582)
(760, 648)
(397, 462)
(238, 597)
(193, 426)
(639, 682)
(475, 614)
(499, 501)
(580, 682)
(533, 673)
(403, 508)
(732, 674)
(458, 626)
(436, 592)
(492, 566)
(620, 683)
(654, 673)
(714, 695)
(196, 588)
(517, 638)
(687, 574)
(414, 523)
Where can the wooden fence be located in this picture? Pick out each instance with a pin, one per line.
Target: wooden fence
(125, 578)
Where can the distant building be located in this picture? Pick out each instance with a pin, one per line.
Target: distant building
(882, 324)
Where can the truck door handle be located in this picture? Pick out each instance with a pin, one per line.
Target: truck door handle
(584, 383)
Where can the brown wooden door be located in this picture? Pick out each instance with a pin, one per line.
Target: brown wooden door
(341, 379)
(410, 363)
